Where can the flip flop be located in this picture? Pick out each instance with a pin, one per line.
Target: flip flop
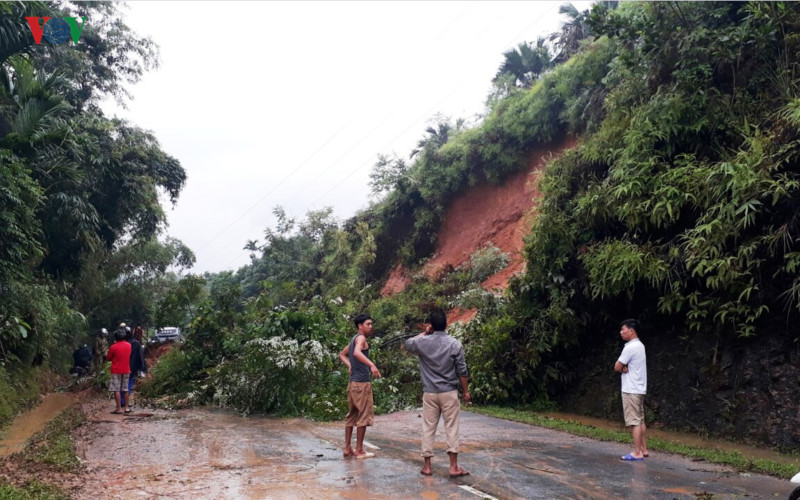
(646, 455)
(460, 473)
(346, 455)
(426, 473)
(631, 458)
(366, 455)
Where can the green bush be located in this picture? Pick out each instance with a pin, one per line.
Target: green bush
(487, 261)
(174, 374)
(270, 375)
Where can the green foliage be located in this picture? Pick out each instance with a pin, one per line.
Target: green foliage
(487, 261)
(176, 307)
(520, 68)
(19, 389)
(678, 206)
(175, 373)
(269, 375)
(615, 267)
(19, 197)
(32, 489)
(80, 213)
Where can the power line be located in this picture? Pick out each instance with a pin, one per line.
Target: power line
(435, 105)
(294, 171)
(372, 130)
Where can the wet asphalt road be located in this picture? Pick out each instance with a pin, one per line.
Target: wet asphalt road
(212, 454)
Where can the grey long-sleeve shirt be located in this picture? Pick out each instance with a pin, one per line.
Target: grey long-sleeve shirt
(441, 361)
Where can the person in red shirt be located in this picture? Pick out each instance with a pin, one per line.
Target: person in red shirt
(120, 356)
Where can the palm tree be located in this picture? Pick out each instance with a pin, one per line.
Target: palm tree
(576, 29)
(15, 35)
(525, 63)
(568, 40)
(438, 135)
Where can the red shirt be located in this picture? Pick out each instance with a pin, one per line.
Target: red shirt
(120, 356)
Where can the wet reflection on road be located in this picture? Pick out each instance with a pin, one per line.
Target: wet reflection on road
(213, 454)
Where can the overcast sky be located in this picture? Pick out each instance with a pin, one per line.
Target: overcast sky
(290, 103)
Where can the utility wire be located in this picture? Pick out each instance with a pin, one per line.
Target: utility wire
(428, 112)
(361, 166)
(279, 184)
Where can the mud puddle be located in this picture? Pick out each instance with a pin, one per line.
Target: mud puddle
(31, 422)
(682, 438)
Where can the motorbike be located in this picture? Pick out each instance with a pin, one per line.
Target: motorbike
(796, 493)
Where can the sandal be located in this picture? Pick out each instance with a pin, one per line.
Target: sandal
(116, 412)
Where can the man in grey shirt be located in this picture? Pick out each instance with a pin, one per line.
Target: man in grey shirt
(443, 369)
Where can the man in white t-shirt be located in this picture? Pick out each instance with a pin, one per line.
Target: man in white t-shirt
(632, 364)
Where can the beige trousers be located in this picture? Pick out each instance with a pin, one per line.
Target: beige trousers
(433, 406)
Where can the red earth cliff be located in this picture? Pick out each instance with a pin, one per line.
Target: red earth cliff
(500, 214)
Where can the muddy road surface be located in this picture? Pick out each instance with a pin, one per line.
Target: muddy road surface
(202, 453)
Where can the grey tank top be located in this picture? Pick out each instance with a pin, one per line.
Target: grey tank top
(359, 371)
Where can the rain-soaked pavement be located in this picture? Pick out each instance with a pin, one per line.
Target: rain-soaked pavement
(201, 453)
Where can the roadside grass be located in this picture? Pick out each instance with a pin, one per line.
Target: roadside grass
(53, 446)
(19, 390)
(32, 489)
(734, 459)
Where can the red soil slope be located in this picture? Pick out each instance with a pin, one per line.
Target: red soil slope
(500, 214)
(462, 315)
(398, 280)
(491, 213)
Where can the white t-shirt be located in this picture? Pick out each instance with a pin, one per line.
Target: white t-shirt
(635, 381)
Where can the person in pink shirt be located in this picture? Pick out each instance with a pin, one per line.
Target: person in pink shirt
(120, 356)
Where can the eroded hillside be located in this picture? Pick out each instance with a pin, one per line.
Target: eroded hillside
(500, 215)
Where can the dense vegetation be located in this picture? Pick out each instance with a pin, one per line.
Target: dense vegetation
(80, 218)
(679, 206)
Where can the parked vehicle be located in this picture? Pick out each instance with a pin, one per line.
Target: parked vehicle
(167, 334)
(796, 493)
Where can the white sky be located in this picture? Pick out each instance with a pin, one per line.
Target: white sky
(290, 103)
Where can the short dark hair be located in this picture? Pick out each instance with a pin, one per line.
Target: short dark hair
(632, 324)
(119, 335)
(438, 320)
(361, 318)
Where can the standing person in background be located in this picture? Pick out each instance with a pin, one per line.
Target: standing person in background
(128, 339)
(120, 356)
(120, 328)
(361, 413)
(138, 334)
(138, 367)
(632, 364)
(443, 369)
(100, 349)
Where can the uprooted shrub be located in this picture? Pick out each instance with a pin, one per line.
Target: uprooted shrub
(270, 375)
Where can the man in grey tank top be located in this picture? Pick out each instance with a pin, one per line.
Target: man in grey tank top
(361, 413)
